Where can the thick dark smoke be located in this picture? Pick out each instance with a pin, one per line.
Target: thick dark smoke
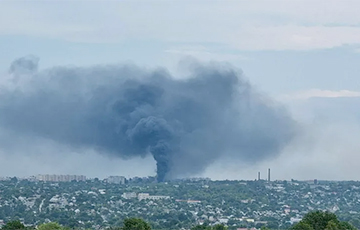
(128, 112)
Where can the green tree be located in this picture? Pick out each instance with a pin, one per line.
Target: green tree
(135, 224)
(50, 226)
(319, 220)
(200, 227)
(219, 227)
(13, 225)
(332, 226)
(301, 226)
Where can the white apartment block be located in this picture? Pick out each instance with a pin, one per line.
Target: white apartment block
(129, 195)
(60, 178)
(116, 180)
(146, 196)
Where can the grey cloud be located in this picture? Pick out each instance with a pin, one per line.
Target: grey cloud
(126, 111)
(24, 65)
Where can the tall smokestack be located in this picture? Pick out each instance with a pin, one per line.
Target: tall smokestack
(269, 174)
(258, 175)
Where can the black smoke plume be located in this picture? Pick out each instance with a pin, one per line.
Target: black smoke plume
(127, 111)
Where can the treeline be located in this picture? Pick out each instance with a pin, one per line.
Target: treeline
(128, 224)
(316, 220)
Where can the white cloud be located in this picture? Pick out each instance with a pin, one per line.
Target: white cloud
(245, 25)
(294, 37)
(202, 53)
(307, 94)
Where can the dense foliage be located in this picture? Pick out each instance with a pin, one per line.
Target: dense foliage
(319, 220)
(316, 220)
(13, 225)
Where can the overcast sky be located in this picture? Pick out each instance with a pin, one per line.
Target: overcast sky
(304, 54)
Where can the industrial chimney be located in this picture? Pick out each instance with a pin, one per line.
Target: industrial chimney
(269, 174)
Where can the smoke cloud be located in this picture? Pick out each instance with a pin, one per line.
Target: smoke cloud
(126, 111)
